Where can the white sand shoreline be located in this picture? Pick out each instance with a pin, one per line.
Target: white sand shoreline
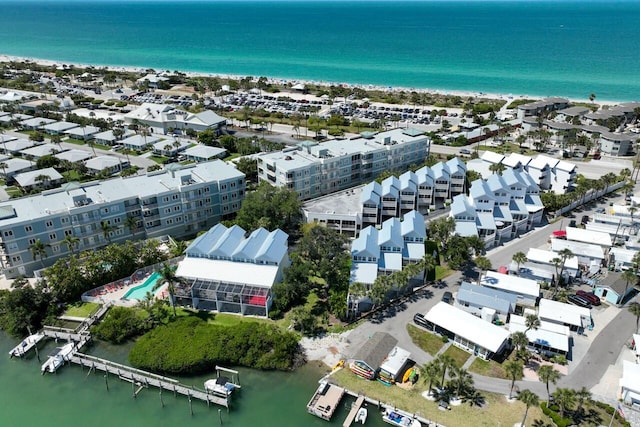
(461, 93)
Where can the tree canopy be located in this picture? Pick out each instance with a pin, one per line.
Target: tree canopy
(271, 208)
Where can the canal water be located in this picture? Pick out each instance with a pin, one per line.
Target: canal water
(71, 397)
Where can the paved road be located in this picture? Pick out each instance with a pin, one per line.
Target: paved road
(602, 352)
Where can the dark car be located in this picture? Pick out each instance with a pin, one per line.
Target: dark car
(447, 297)
(572, 223)
(419, 319)
(579, 301)
(593, 298)
(585, 219)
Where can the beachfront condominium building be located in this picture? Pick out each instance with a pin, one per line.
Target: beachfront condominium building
(314, 169)
(179, 201)
(162, 117)
(227, 272)
(543, 106)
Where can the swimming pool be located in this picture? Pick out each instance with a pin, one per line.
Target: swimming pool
(140, 291)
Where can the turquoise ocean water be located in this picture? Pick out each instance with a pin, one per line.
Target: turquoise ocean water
(565, 48)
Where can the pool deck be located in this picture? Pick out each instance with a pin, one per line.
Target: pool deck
(116, 293)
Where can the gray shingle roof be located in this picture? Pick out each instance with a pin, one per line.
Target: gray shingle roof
(376, 349)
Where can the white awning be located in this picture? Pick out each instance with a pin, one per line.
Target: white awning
(228, 271)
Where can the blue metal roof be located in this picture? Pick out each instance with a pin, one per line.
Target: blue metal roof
(413, 225)
(500, 301)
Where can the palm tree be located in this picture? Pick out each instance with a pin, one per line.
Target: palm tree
(564, 398)
(519, 340)
(106, 230)
(529, 399)
(497, 168)
(515, 370)
(519, 258)
(170, 278)
(635, 310)
(462, 382)
(446, 362)
(3, 166)
(632, 210)
(630, 278)
(131, 222)
(72, 242)
(44, 179)
(531, 321)
(484, 264)
(431, 372)
(582, 396)
(39, 250)
(547, 374)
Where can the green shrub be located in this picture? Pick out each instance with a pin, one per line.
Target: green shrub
(120, 324)
(551, 412)
(190, 346)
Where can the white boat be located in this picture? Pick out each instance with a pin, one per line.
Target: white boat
(27, 344)
(361, 416)
(220, 386)
(57, 358)
(397, 418)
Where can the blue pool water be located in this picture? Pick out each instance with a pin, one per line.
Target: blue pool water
(140, 291)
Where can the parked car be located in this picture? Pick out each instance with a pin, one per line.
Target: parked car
(579, 301)
(585, 219)
(593, 298)
(572, 223)
(419, 320)
(600, 210)
(465, 151)
(447, 297)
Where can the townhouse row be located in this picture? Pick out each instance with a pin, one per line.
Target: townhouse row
(499, 208)
(426, 189)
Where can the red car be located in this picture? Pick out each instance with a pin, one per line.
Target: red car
(590, 296)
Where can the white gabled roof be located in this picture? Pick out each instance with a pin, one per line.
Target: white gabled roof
(630, 376)
(492, 157)
(578, 249)
(543, 337)
(468, 326)
(27, 179)
(545, 257)
(564, 313)
(513, 284)
(588, 236)
(228, 271)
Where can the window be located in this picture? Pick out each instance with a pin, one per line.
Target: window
(68, 232)
(223, 186)
(52, 236)
(165, 199)
(176, 208)
(32, 241)
(8, 233)
(169, 221)
(55, 248)
(116, 220)
(16, 258)
(64, 220)
(175, 197)
(28, 229)
(49, 223)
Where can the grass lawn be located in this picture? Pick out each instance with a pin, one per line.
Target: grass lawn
(82, 309)
(458, 355)
(74, 141)
(488, 368)
(218, 318)
(101, 146)
(72, 175)
(426, 341)
(442, 272)
(495, 407)
(13, 191)
(158, 159)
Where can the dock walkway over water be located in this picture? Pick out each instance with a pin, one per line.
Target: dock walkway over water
(354, 411)
(142, 379)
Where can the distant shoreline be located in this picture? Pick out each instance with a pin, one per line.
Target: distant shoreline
(462, 93)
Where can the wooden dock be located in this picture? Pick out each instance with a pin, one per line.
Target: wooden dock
(325, 400)
(354, 411)
(142, 379)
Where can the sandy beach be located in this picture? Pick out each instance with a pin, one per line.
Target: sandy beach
(276, 80)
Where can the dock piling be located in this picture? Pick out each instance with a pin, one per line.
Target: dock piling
(190, 404)
(161, 401)
(220, 416)
(106, 380)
